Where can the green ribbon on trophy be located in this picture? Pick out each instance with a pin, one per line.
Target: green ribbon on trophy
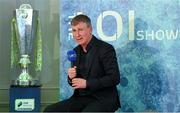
(15, 52)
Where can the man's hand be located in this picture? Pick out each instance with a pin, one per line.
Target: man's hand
(79, 83)
(72, 72)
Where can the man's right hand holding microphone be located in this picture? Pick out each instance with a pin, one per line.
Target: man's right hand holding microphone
(77, 83)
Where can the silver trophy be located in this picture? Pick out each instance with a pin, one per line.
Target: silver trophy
(26, 19)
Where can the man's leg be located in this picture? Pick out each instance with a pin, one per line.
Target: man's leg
(96, 106)
(71, 104)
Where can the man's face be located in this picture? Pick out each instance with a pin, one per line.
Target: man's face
(82, 33)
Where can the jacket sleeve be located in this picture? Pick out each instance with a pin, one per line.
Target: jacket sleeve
(111, 75)
(69, 81)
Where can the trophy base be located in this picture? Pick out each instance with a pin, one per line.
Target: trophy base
(29, 83)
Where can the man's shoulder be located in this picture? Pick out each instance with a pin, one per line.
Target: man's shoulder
(103, 44)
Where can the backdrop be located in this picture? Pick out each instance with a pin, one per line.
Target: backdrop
(145, 34)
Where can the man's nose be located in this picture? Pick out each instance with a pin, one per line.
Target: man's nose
(77, 33)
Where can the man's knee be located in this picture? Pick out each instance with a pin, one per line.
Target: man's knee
(49, 108)
(57, 107)
(53, 107)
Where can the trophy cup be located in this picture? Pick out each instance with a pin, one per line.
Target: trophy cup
(26, 45)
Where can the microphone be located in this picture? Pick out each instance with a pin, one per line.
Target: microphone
(71, 56)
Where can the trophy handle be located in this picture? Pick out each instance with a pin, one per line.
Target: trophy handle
(25, 6)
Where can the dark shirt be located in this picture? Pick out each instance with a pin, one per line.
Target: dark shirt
(82, 71)
(84, 58)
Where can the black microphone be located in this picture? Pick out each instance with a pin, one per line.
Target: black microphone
(71, 56)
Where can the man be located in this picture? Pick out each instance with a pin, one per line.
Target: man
(94, 74)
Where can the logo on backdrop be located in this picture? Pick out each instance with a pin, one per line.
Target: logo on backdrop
(160, 34)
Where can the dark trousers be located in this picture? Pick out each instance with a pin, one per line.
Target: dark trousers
(77, 104)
